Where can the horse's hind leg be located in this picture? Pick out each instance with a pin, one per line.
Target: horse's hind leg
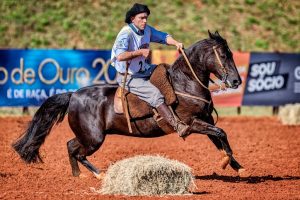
(73, 148)
(78, 153)
(90, 141)
(87, 149)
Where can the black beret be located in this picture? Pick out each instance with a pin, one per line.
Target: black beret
(136, 9)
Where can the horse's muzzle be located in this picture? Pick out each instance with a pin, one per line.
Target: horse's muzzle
(234, 84)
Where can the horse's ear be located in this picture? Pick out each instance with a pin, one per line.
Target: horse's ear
(210, 35)
(217, 33)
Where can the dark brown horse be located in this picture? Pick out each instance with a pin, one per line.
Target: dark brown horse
(91, 114)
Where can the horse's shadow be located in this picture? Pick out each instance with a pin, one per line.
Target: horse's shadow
(251, 179)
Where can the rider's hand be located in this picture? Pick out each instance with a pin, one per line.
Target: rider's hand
(179, 45)
(144, 52)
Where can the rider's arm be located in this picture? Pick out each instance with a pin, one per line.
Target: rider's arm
(171, 41)
(128, 55)
(158, 36)
(122, 45)
(163, 38)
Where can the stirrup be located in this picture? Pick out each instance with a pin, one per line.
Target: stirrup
(185, 131)
(185, 136)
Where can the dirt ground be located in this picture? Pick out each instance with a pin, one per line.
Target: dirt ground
(268, 150)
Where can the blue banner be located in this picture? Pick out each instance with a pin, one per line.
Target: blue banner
(273, 79)
(28, 77)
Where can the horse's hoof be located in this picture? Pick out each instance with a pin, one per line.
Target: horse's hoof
(243, 173)
(76, 173)
(99, 176)
(225, 162)
(223, 152)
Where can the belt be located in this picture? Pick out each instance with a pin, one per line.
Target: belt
(123, 74)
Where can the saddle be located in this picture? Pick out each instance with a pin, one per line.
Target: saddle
(138, 108)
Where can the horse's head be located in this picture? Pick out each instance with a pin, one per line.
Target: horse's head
(220, 61)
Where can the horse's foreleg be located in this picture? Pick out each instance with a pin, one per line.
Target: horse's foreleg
(199, 126)
(213, 138)
(216, 141)
(218, 144)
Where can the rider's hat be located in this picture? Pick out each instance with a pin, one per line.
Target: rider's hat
(136, 9)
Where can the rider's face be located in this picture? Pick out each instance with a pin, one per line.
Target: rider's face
(140, 20)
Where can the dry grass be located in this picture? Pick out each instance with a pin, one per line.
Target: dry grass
(148, 175)
(290, 114)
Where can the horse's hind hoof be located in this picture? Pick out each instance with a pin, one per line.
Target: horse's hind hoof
(243, 173)
(225, 162)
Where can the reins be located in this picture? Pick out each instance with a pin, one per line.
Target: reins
(199, 81)
(220, 63)
(196, 77)
(191, 68)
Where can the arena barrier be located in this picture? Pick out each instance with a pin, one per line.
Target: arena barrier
(28, 77)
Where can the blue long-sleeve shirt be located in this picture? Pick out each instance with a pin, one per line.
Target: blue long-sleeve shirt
(130, 38)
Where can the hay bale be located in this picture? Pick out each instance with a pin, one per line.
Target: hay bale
(290, 114)
(148, 175)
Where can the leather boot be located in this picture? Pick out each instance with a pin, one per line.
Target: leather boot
(178, 126)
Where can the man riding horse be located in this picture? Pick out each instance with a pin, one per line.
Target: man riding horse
(130, 52)
(91, 112)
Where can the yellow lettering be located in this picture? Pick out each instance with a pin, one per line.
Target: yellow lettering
(61, 79)
(3, 81)
(29, 74)
(73, 70)
(83, 79)
(48, 60)
(18, 70)
(103, 71)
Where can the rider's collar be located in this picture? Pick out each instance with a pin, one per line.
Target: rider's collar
(136, 30)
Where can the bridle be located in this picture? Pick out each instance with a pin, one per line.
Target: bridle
(225, 73)
(224, 76)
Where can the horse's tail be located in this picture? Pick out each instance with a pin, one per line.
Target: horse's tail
(51, 111)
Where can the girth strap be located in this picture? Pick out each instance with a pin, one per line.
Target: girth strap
(192, 96)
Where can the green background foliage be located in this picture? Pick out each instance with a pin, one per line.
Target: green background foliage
(248, 25)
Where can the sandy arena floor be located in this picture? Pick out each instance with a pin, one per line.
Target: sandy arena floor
(268, 150)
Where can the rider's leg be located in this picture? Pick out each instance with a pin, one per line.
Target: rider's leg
(181, 128)
(146, 91)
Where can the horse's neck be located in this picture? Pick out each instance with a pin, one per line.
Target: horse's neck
(183, 78)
